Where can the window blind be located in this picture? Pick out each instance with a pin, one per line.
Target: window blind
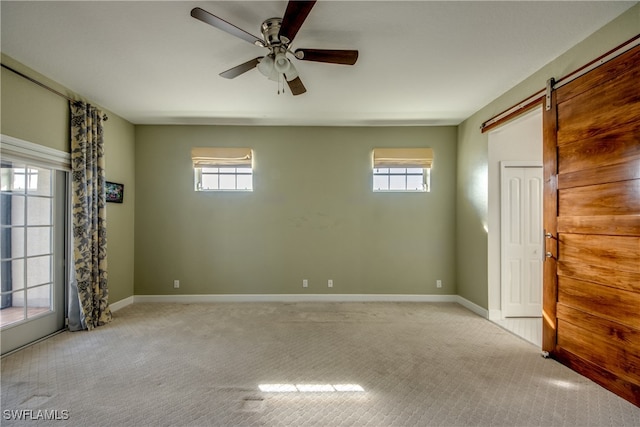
(220, 156)
(402, 157)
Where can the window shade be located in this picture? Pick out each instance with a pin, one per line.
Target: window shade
(402, 157)
(220, 156)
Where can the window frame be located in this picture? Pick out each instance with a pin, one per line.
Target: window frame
(212, 166)
(199, 173)
(425, 174)
(39, 324)
(403, 162)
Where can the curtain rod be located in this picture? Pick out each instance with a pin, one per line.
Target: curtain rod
(42, 85)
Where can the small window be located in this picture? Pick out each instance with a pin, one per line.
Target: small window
(215, 179)
(402, 169)
(401, 179)
(222, 169)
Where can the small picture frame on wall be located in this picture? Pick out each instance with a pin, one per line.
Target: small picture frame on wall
(115, 192)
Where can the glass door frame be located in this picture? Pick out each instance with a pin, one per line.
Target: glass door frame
(29, 330)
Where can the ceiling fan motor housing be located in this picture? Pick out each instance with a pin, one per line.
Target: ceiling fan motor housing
(271, 30)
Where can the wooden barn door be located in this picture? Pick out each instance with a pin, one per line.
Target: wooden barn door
(591, 302)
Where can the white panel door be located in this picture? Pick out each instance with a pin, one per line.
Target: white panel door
(521, 241)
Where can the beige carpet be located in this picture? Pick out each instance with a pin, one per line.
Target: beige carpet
(419, 364)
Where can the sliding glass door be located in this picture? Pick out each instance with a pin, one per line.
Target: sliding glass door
(33, 202)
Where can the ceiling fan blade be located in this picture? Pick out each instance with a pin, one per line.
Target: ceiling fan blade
(294, 17)
(296, 86)
(223, 25)
(234, 72)
(346, 57)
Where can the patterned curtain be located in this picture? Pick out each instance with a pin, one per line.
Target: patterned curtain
(91, 307)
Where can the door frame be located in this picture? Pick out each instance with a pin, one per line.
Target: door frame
(58, 161)
(505, 164)
(520, 139)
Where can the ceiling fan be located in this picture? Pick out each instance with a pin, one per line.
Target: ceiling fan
(277, 36)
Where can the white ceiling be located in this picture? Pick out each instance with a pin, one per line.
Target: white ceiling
(420, 63)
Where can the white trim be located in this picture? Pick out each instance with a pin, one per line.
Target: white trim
(118, 305)
(495, 315)
(471, 306)
(512, 142)
(59, 163)
(46, 156)
(208, 298)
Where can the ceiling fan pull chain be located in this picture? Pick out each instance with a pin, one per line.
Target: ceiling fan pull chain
(280, 82)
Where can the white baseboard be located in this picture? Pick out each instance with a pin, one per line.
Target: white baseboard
(495, 314)
(217, 298)
(472, 307)
(185, 299)
(122, 303)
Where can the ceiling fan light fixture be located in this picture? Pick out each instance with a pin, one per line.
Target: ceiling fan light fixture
(281, 63)
(266, 67)
(291, 73)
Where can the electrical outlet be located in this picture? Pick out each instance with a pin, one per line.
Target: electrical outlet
(330, 283)
(438, 283)
(305, 283)
(176, 284)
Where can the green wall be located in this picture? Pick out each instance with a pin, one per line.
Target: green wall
(471, 191)
(312, 214)
(120, 168)
(33, 114)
